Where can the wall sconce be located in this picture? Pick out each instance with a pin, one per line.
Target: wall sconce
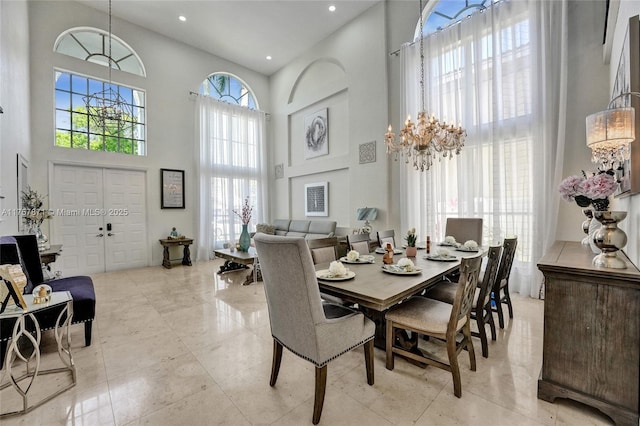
(366, 214)
(609, 134)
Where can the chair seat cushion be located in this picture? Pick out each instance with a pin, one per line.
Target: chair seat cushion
(446, 292)
(428, 315)
(84, 297)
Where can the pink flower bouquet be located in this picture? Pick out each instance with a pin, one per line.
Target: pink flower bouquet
(594, 190)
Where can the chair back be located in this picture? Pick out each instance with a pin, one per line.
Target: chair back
(293, 295)
(465, 292)
(464, 229)
(359, 242)
(506, 262)
(323, 250)
(489, 277)
(385, 237)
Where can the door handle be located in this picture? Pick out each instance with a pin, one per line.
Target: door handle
(110, 234)
(100, 235)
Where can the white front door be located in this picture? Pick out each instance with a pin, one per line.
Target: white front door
(100, 218)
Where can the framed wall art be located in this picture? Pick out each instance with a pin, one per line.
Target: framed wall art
(316, 134)
(628, 80)
(172, 187)
(316, 199)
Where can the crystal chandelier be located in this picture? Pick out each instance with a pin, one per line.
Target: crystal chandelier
(429, 136)
(610, 133)
(107, 108)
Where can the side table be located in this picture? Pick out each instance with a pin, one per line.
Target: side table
(171, 242)
(16, 353)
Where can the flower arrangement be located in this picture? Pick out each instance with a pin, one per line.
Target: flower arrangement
(406, 264)
(411, 237)
(32, 212)
(337, 269)
(594, 190)
(245, 214)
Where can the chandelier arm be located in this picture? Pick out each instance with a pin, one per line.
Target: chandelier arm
(637, 94)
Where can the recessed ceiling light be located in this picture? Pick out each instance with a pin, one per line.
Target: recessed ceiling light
(332, 8)
(268, 57)
(182, 18)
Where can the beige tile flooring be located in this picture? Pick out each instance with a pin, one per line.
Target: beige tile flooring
(189, 347)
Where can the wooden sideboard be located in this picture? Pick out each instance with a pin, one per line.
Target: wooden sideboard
(591, 349)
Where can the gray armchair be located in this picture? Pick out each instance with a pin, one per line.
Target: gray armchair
(300, 322)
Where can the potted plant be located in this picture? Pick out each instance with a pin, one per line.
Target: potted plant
(411, 238)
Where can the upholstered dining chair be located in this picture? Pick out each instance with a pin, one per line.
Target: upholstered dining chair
(437, 319)
(500, 291)
(359, 242)
(385, 237)
(323, 250)
(464, 229)
(315, 331)
(481, 308)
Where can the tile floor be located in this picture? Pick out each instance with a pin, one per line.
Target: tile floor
(188, 347)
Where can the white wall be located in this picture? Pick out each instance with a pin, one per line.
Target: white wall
(173, 69)
(631, 225)
(14, 99)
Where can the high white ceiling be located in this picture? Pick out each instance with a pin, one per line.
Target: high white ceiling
(242, 31)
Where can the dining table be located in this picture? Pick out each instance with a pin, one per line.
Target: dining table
(376, 291)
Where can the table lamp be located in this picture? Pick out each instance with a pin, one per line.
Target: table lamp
(366, 214)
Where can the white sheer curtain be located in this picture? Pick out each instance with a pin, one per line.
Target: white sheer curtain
(231, 166)
(502, 74)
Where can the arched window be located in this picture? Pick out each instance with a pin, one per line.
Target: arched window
(227, 88)
(440, 14)
(92, 45)
(94, 114)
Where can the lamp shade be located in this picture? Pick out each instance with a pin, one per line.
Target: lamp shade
(366, 213)
(611, 127)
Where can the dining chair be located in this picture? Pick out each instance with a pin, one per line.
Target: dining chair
(481, 308)
(315, 331)
(437, 319)
(464, 229)
(385, 237)
(359, 242)
(500, 292)
(323, 250)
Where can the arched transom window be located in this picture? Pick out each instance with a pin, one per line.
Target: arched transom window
(442, 13)
(92, 44)
(228, 88)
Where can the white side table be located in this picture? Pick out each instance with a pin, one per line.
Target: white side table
(23, 383)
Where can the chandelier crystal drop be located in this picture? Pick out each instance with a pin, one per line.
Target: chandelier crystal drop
(107, 108)
(428, 137)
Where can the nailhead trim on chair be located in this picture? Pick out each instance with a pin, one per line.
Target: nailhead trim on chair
(320, 365)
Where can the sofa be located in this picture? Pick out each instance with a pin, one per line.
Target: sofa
(307, 229)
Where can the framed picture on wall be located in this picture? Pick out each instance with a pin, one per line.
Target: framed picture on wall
(316, 134)
(316, 199)
(172, 187)
(628, 80)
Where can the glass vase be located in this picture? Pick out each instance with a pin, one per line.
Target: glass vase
(609, 238)
(245, 239)
(43, 241)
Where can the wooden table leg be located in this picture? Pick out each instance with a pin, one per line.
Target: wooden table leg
(186, 256)
(165, 258)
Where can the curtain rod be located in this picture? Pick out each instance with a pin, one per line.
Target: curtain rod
(191, 93)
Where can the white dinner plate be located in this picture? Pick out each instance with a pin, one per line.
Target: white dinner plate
(467, 250)
(362, 259)
(380, 250)
(397, 270)
(438, 258)
(325, 275)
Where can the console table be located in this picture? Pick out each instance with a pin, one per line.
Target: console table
(591, 348)
(172, 242)
(50, 255)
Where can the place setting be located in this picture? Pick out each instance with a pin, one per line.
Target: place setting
(353, 257)
(469, 247)
(403, 267)
(442, 255)
(336, 272)
(382, 250)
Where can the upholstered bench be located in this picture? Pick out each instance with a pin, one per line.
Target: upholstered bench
(23, 250)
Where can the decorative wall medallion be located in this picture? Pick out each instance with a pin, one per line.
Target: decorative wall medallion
(368, 152)
(279, 171)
